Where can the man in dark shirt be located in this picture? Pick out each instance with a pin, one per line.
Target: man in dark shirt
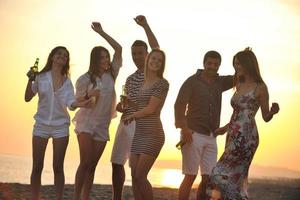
(197, 114)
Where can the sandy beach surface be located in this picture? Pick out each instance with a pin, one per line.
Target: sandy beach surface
(259, 189)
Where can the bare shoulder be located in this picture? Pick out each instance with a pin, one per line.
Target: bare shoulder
(261, 89)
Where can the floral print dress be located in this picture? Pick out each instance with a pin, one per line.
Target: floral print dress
(231, 171)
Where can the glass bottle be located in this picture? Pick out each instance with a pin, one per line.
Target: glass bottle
(124, 97)
(33, 70)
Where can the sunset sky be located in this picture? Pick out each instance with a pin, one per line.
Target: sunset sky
(186, 30)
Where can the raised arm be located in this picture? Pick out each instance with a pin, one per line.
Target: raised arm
(262, 95)
(141, 20)
(96, 26)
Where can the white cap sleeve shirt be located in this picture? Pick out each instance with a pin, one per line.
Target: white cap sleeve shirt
(52, 106)
(96, 120)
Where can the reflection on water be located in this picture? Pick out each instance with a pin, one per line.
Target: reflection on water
(171, 178)
(17, 169)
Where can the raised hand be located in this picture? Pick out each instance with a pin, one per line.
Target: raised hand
(275, 108)
(96, 26)
(141, 20)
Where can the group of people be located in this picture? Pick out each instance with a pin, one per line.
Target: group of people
(197, 114)
(140, 135)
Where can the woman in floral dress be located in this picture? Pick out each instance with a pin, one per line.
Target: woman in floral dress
(231, 171)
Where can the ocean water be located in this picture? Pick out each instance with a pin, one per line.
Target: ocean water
(17, 169)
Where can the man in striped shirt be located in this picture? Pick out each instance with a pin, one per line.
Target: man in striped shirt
(125, 131)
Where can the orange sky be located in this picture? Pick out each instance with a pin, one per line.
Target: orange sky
(185, 31)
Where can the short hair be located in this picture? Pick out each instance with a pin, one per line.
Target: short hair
(212, 54)
(140, 43)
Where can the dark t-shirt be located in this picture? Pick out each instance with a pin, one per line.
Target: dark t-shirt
(198, 104)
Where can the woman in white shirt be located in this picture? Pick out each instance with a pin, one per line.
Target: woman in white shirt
(56, 93)
(91, 124)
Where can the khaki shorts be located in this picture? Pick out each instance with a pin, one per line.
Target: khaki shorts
(202, 152)
(122, 145)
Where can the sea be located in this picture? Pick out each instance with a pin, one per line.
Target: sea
(17, 169)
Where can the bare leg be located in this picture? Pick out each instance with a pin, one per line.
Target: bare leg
(185, 187)
(133, 165)
(59, 152)
(118, 179)
(143, 187)
(38, 153)
(201, 192)
(85, 142)
(98, 148)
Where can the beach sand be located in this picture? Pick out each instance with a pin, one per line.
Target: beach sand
(259, 189)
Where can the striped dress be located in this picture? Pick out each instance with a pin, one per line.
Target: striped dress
(149, 135)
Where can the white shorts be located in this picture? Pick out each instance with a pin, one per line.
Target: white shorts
(47, 132)
(98, 131)
(122, 145)
(201, 152)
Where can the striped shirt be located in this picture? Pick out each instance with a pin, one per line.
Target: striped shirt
(132, 86)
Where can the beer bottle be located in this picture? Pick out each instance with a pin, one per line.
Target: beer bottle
(33, 70)
(124, 98)
(123, 90)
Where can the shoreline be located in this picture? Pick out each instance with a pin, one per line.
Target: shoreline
(259, 189)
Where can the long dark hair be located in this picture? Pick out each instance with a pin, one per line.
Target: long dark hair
(248, 61)
(95, 60)
(48, 66)
(160, 72)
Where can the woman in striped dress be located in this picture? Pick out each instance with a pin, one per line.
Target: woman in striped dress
(149, 134)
